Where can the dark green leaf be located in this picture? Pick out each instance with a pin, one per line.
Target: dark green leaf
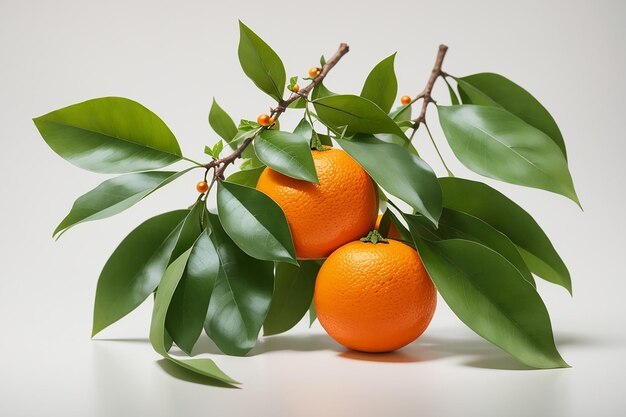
(358, 114)
(293, 294)
(248, 177)
(458, 225)
(109, 135)
(490, 89)
(495, 143)
(241, 297)
(189, 304)
(135, 268)
(287, 153)
(222, 123)
(491, 297)
(158, 334)
(386, 163)
(114, 196)
(494, 208)
(260, 63)
(189, 230)
(255, 223)
(381, 85)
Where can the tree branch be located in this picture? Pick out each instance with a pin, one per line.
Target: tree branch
(426, 93)
(220, 164)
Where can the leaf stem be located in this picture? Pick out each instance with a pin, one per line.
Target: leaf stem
(192, 161)
(430, 135)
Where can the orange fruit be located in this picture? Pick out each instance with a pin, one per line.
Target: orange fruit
(322, 217)
(405, 100)
(295, 88)
(314, 72)
(393, 231)
(263, 119)
(374, 297)
(202, 187)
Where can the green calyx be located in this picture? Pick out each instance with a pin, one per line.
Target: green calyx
(374, 237)
(317, 144)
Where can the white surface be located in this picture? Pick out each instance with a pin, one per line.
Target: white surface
(174, 58)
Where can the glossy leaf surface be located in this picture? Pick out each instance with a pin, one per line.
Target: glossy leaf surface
(255, 223)
(109, 135)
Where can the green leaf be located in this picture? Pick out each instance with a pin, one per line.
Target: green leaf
(458, 225)
(381, 85)
(358, 114)
(109, 135)
(248, 177)
(114, 196)
(401, 114)
(293, 294)
(453, 97)
(494, 208)
(158, 334)
(490, 89)
(304, 129)
(260, 63)
(491, 297)
(222, 123)
(494, 143)
(249, 164)
(135, 268)
(241, 297)
(299, 103)
(287, 153)
(387, 163)
(255, 223)
(217, 149)
(320, 91)
(292, 82)
(312, 314)
(190, 301)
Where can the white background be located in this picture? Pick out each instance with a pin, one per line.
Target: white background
(174, 57)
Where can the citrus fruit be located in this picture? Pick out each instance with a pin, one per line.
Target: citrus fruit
(393, 231)
(374, 297)
(322, 217)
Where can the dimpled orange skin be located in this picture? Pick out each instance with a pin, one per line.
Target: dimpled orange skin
(374, 298)
(342, 208)
(393, 232)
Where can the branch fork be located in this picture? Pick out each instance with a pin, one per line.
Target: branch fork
(219, 165)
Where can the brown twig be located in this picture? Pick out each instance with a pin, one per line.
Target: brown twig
(425, 95)
(220, 165)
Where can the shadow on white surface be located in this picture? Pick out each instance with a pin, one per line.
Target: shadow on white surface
(473, 351)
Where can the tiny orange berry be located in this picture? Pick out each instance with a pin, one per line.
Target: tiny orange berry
(314, 72)
(405, 100)
(295, 88)
(202, 187)
(263, 119)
